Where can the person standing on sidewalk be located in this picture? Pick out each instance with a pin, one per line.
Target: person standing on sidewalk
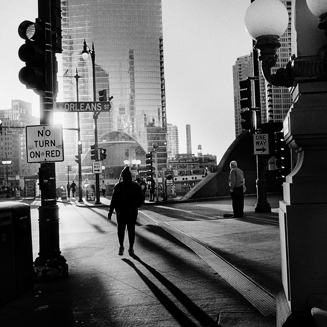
(103, 188)
(236, 183)
(127, 197)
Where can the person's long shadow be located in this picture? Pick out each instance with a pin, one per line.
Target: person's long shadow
(197, 313)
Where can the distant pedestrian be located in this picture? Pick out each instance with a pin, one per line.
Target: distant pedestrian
(68, 190)
(103, 188)
(142, 185)
(127, 197)
(73, 188)
(236, 184)
(152, 187)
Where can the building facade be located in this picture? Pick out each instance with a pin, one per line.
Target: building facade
(129, 64)
(172, 141)
(14, 166)
(279, 98)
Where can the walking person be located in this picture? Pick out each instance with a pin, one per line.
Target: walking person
(236, 184)
(103, 188)
(127, 197)
(152, 187)
(73, 188)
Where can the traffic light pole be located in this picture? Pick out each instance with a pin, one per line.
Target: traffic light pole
(50, 264)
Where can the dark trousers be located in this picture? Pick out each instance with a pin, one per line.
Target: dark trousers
(126, 219)
(238, 201)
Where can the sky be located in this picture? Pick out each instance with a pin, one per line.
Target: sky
(202, 40)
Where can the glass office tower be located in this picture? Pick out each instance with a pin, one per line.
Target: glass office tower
(128, 47)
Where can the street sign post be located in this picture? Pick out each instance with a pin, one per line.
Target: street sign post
(89, 106)
(260, 144)
(44, 143)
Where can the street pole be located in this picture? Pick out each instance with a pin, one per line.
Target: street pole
(50, 264)
(262, 204)
(95, 118)
(80, 192)
(155, 147)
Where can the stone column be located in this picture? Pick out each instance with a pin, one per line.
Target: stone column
(303, 211)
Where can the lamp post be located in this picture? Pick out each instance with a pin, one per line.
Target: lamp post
(85, 54)
(262, 204)
(80, 192)
(302, 213)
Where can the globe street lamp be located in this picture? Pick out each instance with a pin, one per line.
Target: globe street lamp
(85, 55)
(302, 213)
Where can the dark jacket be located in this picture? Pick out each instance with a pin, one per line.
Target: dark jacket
(126, 197)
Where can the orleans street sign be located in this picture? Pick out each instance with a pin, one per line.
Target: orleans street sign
(82, 106)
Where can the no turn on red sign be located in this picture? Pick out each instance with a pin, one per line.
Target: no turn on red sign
(44, 143)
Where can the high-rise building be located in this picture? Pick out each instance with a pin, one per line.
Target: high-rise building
(188, 139)
(13, 143)
(279, 98)
(128, 48)
(172, 141)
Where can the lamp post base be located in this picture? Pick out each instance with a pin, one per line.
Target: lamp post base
(50, 264)
(49, 269)
(262, 205)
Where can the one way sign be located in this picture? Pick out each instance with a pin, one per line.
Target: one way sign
(260, 144)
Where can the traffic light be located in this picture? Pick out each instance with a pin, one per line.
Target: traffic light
(77, 158)
(94, 152)
(149, 165)
(247, 119)
(0, 127)
(103, 95)
(33, 53)
(79, 144)
(103, 154)
(245, 94)
(281, 157)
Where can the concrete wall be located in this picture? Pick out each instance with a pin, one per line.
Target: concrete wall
(216, 184)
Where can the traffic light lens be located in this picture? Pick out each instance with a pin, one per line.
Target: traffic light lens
(30, 31)
(30, 76)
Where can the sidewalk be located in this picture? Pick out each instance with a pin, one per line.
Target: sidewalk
(163, 285)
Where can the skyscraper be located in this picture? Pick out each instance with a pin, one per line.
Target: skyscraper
(128, 48)
(188, 139)
(172, 141)
(279, 98)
